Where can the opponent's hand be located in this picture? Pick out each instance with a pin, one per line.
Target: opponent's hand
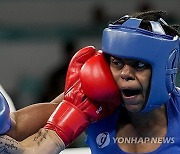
(5, 122)
(79, 109)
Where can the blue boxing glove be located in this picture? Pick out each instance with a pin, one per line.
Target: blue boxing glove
(5, 122)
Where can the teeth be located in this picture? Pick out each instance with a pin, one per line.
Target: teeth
(128, 92)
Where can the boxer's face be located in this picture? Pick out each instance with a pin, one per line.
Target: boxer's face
(133, 79)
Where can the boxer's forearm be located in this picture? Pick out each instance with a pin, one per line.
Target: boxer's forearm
(34, 116)
(9, 145)
(44, 141)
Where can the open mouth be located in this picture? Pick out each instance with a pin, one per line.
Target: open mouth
(131, 92)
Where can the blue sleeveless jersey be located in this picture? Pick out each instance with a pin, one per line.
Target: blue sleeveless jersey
(101, 136)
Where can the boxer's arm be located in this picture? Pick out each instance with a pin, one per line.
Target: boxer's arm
(34, 116)
(44, 141)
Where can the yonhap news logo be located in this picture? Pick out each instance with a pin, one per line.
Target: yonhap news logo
(136, 140)
(103, 140)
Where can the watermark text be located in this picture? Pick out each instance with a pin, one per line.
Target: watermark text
(135, 140)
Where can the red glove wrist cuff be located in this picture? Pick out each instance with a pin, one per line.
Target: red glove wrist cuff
(67, 121)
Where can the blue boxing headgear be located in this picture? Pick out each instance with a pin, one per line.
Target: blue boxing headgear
(127, 40)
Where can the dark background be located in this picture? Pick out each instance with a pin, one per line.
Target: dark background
(38, 37)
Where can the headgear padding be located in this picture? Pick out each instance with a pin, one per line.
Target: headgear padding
(156, 48)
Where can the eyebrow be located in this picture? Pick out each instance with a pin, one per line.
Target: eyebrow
(127, 60)
(131, 61)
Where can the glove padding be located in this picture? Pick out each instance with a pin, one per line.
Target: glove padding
(74, 114)
(97, 81)
(5, 122)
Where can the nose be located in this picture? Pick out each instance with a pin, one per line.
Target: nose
(127, 73)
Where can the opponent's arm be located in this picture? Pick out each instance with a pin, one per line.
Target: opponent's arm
(35, 116)
(44, 141)
(74, 114)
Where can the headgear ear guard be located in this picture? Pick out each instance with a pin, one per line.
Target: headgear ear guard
(156, 48)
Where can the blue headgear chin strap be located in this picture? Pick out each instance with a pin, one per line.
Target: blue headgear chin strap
(156, 48)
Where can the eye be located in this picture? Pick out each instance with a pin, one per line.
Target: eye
(139, 65)
(118, 63)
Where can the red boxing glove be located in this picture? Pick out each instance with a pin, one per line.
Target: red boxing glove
(74, 114)
(97, 81)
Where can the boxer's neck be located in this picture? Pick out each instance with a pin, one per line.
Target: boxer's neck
(143, 125)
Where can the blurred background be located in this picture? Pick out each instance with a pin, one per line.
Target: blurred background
(38, 38)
